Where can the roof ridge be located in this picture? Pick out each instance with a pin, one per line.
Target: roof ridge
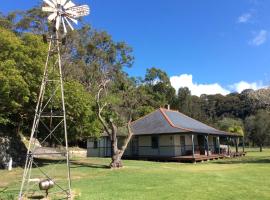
(170, 110)
(171, 123)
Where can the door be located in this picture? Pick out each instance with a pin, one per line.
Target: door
(201, 143)
(135, 146)
(183, 145)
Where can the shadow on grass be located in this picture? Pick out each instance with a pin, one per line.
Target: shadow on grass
(40, 162)
(37, 197)
(77, 164)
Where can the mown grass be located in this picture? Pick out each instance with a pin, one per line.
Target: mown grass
(245, 178)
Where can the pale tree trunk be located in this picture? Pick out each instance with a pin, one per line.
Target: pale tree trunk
(118, 153)
(111, 129)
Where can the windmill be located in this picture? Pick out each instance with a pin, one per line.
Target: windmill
(50, 116)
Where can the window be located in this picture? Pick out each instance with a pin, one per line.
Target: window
(154, 140)
(95, 144)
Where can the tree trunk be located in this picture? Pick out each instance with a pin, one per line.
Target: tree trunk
(111, 129)
(116, 161)
(261, 146)
(118, 153)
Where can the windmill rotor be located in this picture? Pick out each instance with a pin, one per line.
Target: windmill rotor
(63, 12)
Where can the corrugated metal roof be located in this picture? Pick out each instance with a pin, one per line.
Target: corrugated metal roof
(163, 121)
(154, 123)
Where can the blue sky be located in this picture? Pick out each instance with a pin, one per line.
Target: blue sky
(210, 46)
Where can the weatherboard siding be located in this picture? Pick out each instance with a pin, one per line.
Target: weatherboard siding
(169, 145)
(145, 147)
(166, 145)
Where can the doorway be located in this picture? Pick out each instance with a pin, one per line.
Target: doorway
(201, 144)
(135, 146)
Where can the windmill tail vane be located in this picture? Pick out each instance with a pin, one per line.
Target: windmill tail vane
(49, 122)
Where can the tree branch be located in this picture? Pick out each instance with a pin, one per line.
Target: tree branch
(128, 138)
(100, 107)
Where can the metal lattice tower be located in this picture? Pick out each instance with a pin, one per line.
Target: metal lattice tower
(50, 116)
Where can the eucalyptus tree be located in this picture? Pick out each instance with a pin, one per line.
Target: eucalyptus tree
(158, 85)
(21, 61)
(102, 61)
(258, 128)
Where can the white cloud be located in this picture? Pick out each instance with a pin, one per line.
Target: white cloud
(260, 38)
(243, 85)
(186, 80)
(244, 18)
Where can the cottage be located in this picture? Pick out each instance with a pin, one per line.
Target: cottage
(170, 135)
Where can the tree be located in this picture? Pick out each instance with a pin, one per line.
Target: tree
(258, 127)
(157, 84)
(184, 101)
(81, 118)
(7, 21)
(232, 125)
(21, 60)
(102, 61)
(14, 93)
(115, 112)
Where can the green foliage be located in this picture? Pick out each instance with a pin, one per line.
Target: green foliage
(7, 22)
(258, 127)
(231, 125)
(184, 101)
(81, 119)
(14, 92)
(158, 86)
(21, 59)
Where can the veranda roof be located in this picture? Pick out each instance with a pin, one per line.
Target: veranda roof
(163, 121)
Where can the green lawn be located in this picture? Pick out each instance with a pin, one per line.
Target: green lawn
(240, 178)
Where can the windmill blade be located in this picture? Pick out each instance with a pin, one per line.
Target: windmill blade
(80, 10)
(54, 1)
(74, 20)
(48, 9)
(50, 3)
(57, 23)
(58, 2)
(69, 5)
(63, 2)
(52, 16)
(69, 23)
(64, 25)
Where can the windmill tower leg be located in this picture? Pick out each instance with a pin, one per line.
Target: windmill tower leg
(64, 113)
(50, 120)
